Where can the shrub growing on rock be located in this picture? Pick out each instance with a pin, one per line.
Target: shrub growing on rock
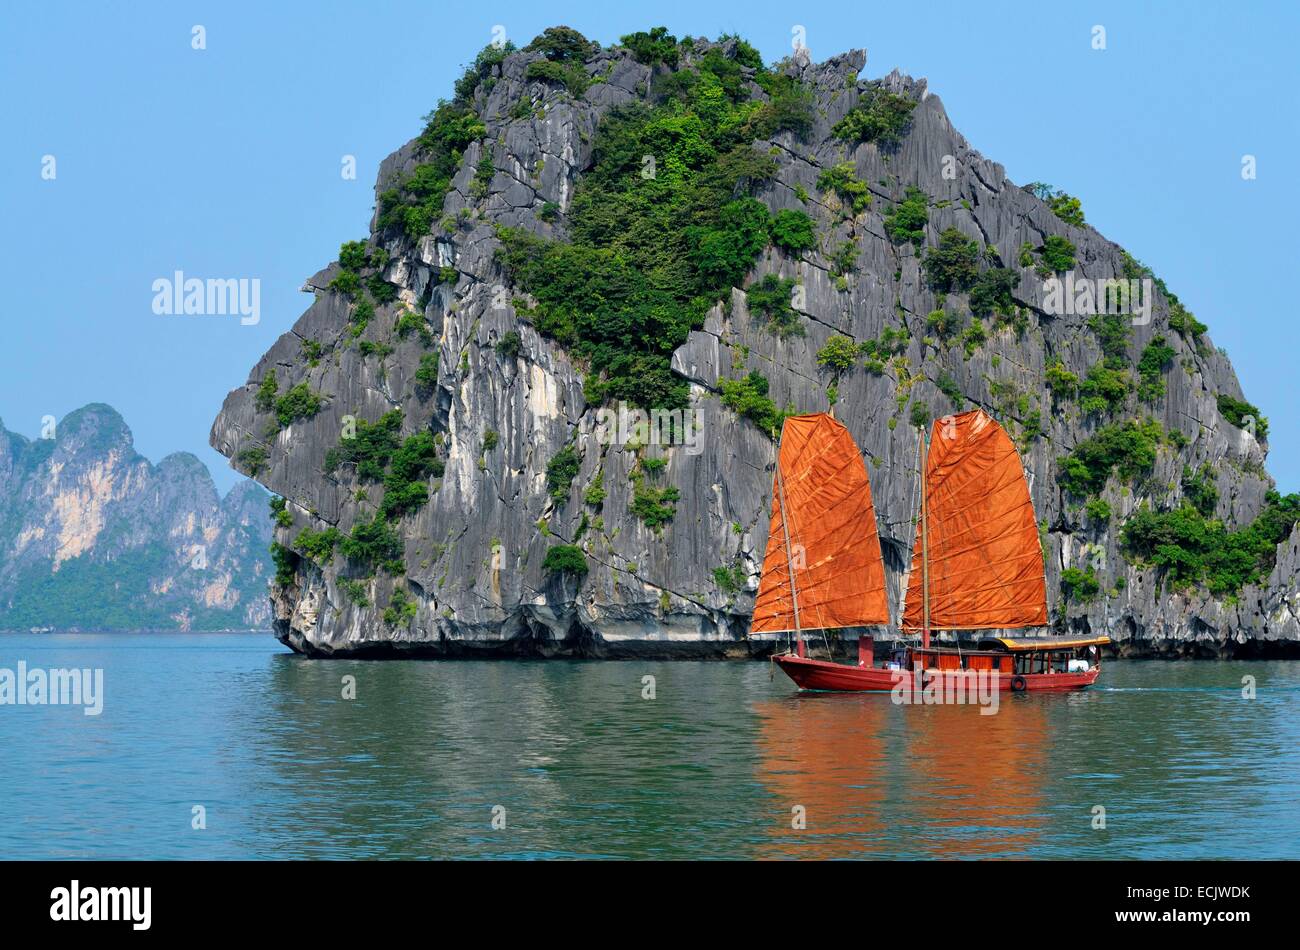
(907, 221)
(953, 266)
(793, 230)
(879, 116)
(565, 559)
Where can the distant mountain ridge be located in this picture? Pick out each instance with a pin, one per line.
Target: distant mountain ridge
(93, 536)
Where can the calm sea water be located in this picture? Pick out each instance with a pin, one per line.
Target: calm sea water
(584, 766)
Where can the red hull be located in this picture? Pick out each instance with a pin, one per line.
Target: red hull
(823, 675)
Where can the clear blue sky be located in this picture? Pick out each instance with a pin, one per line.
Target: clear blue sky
(225, 162)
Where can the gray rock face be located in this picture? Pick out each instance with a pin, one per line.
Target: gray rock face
(474, 553)
(94, 537)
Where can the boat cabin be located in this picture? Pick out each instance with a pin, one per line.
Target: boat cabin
(1050, 654)
(1012, 655)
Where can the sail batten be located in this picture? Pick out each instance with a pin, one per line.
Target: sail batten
(830, 522)
(984, 554)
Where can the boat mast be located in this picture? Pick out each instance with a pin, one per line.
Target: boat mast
(789, 561)
(922, 443)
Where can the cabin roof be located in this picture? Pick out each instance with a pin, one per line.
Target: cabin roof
(1027, 644)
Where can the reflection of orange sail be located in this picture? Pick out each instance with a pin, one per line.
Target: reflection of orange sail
(978, 779)
(828, 758)
(878, 780)
(830, 526)
(985, 563)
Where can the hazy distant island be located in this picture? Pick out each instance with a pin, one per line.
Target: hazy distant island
(93, 536)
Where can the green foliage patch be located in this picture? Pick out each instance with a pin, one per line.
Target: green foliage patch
(948, 386)
(565, 559)
(1127, 449)
(561, 470)
(280, 512)
(401, 609)
(1057, 254)
(1066, 207)
(1237, 411)
(299, 402)
(317, 546)
(414, 201)
(481, 69)
(793, 230)
(1060, 381)
(510, 345)
(373, 544)
(879, 116)
(285, 564)
(1190, 549)
(1105, 388)
(907, 221)
(369, 449)
(1079, 585)
(1200, 489)
(426, 374)
(653, 249)
(953, 265)
(403, 466)
(770, 296)
(842, 181)
(991, 292)
(654, 48)
(838, 354)
(1157, 357)
(569, 75)
(748, 397)
(654, 506)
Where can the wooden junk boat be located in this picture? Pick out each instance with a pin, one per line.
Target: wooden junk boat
(977, 563)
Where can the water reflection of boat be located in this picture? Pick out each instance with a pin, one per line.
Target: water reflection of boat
(872, 779)
(978, 781)
(976, 565)
(829, 759)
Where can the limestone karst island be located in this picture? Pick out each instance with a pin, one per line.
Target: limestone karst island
(581, 233)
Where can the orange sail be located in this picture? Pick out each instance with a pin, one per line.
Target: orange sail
(986, 562)
(830, 524)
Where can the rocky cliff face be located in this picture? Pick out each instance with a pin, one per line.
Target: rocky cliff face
(94, 537)
(502, 407)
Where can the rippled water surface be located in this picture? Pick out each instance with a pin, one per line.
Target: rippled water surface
(582, 765)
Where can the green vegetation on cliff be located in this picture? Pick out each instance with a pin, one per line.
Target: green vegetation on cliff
(403, 466)
(1127, 450)
(656, 244)
(560, 472)
(1066, 207)
(907, 220)
(1190, 549)
(414, 201)
(1238, 412)
(879, 116)
(565, 559)
(748, 397)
